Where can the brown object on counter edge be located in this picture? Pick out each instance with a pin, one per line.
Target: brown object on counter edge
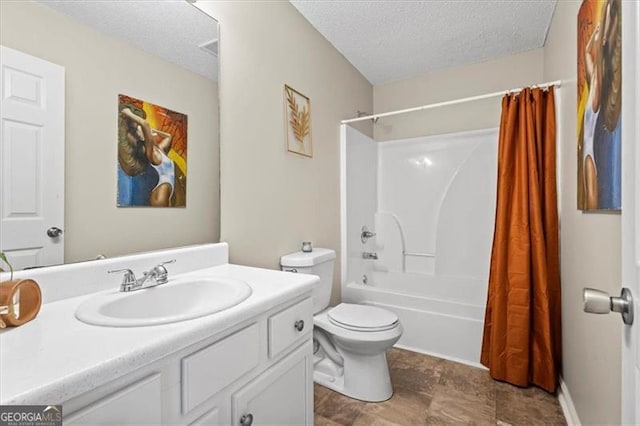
(30, 299)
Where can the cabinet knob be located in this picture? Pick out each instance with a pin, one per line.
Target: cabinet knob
(246, 420)
(299, 325)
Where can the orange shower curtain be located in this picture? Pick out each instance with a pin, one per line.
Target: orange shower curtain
(522, 342)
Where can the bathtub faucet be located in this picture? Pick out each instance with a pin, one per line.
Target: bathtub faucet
(371, 256)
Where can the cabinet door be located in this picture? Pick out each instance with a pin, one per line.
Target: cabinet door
(282, 395)
(211, 369)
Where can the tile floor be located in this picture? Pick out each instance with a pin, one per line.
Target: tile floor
(433, 391)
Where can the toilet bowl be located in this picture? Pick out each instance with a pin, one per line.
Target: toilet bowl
(365, 372)
(350, 340)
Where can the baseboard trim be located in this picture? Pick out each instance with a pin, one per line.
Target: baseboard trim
(438, 355)
(566, 403)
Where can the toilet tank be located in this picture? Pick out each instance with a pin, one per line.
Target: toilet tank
(317, 262)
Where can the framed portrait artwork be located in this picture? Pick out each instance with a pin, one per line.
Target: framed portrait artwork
(599, 105)
(152, 155)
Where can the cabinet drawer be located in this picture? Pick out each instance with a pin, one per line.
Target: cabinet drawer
(139, 403)
(290, 326)
(206, 372)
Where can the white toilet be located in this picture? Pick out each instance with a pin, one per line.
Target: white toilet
(350, 340)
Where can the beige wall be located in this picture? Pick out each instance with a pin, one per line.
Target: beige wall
(590, 252)
(98, 68)
(271, 199)
(453, 83)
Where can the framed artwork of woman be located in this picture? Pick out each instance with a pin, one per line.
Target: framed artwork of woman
(599, 105)
(152, 155)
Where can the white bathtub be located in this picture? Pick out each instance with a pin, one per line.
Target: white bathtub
(431, 203)
(441, 316)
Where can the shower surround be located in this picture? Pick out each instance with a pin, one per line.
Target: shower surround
(431, 203)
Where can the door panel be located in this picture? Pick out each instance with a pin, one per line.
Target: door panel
(31, 159)
(22, 153)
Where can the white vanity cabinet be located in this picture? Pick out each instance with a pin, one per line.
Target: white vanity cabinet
(258, 372)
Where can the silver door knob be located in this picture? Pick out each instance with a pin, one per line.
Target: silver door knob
(599, 302)
(54, 232)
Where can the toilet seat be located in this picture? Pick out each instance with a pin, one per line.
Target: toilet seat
(362, 318)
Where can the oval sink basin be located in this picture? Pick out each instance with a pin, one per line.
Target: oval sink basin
(178, 300)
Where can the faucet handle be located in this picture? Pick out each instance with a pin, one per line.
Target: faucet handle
(161, 272)
(128, 280)
(365, 234)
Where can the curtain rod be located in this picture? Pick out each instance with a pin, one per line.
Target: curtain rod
(556, 83)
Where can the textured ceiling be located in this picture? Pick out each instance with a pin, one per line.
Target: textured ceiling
(170, 29)
(393, 40)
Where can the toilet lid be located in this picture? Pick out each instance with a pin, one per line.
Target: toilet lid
(362, 317)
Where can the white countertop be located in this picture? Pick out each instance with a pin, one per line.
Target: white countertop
(56, 357)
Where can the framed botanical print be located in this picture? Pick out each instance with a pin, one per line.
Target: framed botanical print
(297, 109)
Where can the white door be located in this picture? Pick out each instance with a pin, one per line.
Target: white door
(31, 160)
(631, 207)
(628, 302)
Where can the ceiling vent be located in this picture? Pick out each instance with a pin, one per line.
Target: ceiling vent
(210, 47)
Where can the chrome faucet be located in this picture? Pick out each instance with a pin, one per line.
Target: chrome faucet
(151, 278)
(370, 256)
